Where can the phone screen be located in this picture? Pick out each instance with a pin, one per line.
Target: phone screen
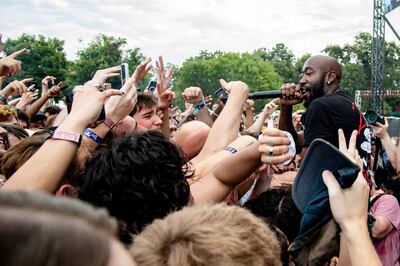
(222, 94)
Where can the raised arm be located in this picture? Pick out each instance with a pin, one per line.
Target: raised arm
(236, 168)
(194, 95)
(35, 107)
(46, 168)
(269, 108)
(9, 65)
(226, 127)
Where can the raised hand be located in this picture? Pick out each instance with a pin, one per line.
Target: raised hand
(248, 105)
(193, 95)
(46, 80)
(380, 130)
(26, 99)
(274, 146)
(118, 107)
(15, 88)
(53, 91)
(208, 100)
(9, 65)
(234, 85)
(163, 79)
(350, 151)
(103, 74)
(269, 108)
(165, 98)
(88, 102)
(141, 71)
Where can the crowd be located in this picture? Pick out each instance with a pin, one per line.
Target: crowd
(120, 176)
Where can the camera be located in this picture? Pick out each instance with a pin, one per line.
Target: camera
(372, 118)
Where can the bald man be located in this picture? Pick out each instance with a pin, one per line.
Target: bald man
(328, 108)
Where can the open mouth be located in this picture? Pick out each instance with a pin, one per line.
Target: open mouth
(304, 90)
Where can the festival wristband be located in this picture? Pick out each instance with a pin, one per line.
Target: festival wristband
(90, 134)
(68, 136)
(199, 106)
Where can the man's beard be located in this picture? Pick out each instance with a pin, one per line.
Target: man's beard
(316, 91)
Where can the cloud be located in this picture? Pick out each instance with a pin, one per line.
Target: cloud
(179, 29)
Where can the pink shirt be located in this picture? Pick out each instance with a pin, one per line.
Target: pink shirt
(388, 248)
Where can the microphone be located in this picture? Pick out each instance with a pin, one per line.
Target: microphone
(265, 94)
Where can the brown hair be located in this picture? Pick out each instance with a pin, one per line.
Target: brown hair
(38, 229)
(144, 100)
(15, 130)
(17, 155)
(207, 235)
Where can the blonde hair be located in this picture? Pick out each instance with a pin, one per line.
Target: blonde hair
(207, 235)
(7, 113)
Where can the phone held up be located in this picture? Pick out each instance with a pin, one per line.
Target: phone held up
(222, 94)
(124, 73)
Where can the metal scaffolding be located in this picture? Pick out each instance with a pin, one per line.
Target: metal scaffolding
(378, 56)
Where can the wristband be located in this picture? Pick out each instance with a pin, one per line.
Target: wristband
(68, 136)
(90, 134)
(108, 122)
(199, 106)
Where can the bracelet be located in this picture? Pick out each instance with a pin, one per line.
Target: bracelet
(108, 122)
(199, 106)
(68, 136)
(214, 114)
(90, 134)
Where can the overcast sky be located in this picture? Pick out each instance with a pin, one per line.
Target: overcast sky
(178, 29)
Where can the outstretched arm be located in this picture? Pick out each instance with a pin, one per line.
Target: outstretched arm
(46, 168)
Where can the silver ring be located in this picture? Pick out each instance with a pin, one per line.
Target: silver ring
(271, 150)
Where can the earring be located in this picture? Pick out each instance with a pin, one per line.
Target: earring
(329, 83)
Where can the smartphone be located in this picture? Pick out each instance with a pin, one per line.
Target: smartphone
(124, 73)
(152, 86)
(222, 94)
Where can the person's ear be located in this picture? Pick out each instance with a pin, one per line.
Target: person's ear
(67, 190)
(330, 77)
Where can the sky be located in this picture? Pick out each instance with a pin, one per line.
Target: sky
(179, 29)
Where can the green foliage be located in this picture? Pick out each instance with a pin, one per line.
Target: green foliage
(45, 56)
(207, 69)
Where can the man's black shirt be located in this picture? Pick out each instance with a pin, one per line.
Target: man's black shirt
(325, 115)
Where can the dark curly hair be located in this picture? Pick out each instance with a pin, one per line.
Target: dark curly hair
(138, 178)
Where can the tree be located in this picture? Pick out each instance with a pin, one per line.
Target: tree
(205, 71)
(45, 56)
(282, 60)
(103, 52)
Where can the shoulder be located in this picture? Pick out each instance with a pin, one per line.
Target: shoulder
(388, 200)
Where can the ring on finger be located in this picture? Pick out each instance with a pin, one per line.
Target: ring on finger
(270, 159)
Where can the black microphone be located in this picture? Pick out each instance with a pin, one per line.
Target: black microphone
(265, 94)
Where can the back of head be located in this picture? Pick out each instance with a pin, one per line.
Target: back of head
(7, 114)
(17, 131)
(207, 235)
(138, 178)
(17, 155)
(38, 229)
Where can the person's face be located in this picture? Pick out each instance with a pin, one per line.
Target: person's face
(125, 126)
(148, 118)
(311, 82)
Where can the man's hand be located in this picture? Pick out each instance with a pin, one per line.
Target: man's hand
(291, 94)
(9, 65)
(118, 107)
(103, 74)
(234, 85)
(208, 100)
(46, 80)
(87, 104)
(163, 79)
(340, 199)
(26, 99)
(53, 92)
(141, 71)
(193, 95)
(380, 130)
(351, 151)
(15, 88)
(269, 108)
(274, 146)
(165, 98)
(248, 105)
